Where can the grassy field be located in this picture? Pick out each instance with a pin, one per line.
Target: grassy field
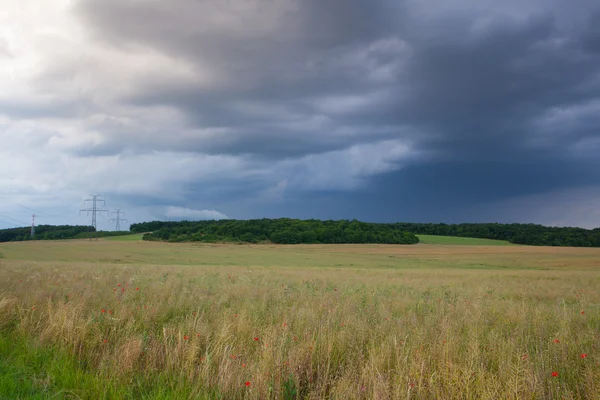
(454, 240)
(132, 319)
(126, 238)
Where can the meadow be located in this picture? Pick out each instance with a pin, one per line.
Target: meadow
(131, 319)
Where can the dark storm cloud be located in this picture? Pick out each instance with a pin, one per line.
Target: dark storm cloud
(505, 99)
(472, 89)
(273, 77)
(591, 36)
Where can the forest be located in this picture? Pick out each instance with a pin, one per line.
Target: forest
(281, 231)
(53, 232)
(291, 231)
(294, 231)
(530, 234)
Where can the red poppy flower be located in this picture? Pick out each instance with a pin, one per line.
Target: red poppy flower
(583, 355)
(247, 383)
(186, 337)
(583, 312)
(137, 288)
(556, 341)
(104, 341)
(119, 285)
(256, 339)
(103, 311)
(554, 373)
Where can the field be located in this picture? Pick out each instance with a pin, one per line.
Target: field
(434, 239)
(131, 319)
(126, 238)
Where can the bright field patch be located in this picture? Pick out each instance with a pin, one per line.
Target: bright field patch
(454, 240)
(126, 238)
(148, 320)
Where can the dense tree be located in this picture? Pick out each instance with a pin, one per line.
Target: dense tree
(291, 231)
(54, 232)
(283, 231)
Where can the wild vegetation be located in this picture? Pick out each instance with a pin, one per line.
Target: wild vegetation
(54, 232)
(293, 231)
(280, 231)
(112, 319)
(530, 234)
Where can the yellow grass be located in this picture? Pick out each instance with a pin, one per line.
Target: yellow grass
(340, 322)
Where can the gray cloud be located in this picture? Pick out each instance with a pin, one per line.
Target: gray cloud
(285, 106)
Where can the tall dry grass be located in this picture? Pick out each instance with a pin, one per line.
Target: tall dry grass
(316, 334)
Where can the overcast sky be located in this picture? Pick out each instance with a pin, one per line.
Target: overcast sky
(379, 110)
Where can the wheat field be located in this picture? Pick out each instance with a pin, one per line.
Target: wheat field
(110, 319)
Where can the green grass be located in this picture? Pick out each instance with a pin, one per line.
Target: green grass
(126, 238)
(465, 241)
(30, 370)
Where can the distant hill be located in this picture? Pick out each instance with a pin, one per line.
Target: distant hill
(291, 231)
(281, 231)
(54, 232)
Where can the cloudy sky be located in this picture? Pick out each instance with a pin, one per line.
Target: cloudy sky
(380, 110)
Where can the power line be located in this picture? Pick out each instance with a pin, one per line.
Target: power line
(37, 212)
(11, 223)
(94, 208)
(118, 220)
(14, 219)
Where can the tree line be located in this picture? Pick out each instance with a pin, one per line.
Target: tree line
(530, 234)
(291, 231)
(280, 231)
(54, 232)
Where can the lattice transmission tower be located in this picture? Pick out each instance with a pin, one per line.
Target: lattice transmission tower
(32, 225)
(94, 210)
(118, 219)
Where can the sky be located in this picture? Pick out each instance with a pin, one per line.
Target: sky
(380, 110)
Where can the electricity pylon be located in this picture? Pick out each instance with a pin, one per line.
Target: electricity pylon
(94, 209)
(118, 219)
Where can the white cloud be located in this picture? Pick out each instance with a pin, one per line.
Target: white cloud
(191, 214)
(348, 168)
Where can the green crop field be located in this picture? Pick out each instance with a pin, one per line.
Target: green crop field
(465, 241)
(111, 319)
